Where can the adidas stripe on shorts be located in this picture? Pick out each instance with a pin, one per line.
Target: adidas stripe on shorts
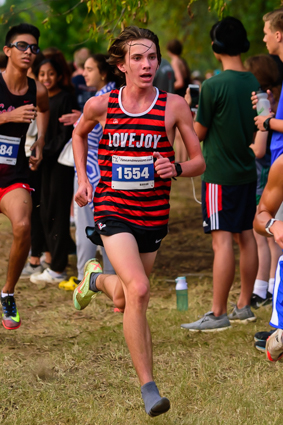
(229, 208)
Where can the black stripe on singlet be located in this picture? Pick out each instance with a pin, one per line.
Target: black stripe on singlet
(140, 207)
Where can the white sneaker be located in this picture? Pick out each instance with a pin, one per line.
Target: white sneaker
(46, 276)
(28, 270)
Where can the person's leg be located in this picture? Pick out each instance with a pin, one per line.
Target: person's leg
(17, 205)
(128, 289)
(85, 248)
(223, 270)
(264, 257)
(264, 262)
(61, 192)
(107, 266)
(248, 266)
(133, 270)
(37, 232)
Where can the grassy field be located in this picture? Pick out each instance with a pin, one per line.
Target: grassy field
(67, 367)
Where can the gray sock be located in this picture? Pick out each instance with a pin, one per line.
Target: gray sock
(154, 404)
(92, 282)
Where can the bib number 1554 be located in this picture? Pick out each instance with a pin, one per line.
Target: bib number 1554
(132, 173)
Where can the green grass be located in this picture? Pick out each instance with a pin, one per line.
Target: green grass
(67, 367)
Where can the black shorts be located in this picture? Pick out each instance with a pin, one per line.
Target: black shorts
(229, 208)
(148, 240)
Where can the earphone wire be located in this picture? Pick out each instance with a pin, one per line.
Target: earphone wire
(194, 191)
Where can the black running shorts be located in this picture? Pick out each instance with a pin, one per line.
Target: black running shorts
(148, 240)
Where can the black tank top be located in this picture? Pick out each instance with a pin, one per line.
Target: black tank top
(18, 173)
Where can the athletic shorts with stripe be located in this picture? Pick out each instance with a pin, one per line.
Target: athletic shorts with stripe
(276, 320)
(229, 208)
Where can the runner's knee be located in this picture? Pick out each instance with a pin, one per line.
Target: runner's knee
(138, 292)
(22, 228)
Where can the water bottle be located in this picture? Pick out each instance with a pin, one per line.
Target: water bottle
(181, 293)
(263, 104)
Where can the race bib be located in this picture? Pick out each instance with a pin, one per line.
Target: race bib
(132, 173)
(9, 147)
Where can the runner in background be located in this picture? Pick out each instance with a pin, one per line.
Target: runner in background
(22, 100)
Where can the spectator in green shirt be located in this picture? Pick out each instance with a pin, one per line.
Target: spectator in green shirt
(225, 124)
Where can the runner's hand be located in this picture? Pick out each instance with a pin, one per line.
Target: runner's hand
(34, 161)
(25, 113)
(84, 194)
(70, 119)
(164, 168)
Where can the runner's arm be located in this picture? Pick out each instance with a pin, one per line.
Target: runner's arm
(42, 121)
(25, 113)
(270, 202)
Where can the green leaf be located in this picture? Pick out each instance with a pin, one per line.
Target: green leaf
(69, 18)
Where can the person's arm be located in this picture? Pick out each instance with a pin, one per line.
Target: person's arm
(259, 145)
(205, 112)
(200, 130)
(274, 124)
(179, 80)
(178, 115)
(94, 111)
(70, 119)
(25, 113)
(59, 134)
(42, 121)
(270, 202)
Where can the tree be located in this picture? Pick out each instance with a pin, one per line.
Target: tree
(69, 25)
(91, 23)
(192, 25)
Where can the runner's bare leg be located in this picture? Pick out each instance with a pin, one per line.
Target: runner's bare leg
(133, 270)
(17, 205)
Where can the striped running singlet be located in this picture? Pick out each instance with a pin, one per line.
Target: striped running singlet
(132, 136)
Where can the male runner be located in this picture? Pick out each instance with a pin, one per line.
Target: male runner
(22, 100)
(132, 198)
(267, 225)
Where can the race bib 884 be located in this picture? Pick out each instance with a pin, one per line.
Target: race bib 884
(9, 147)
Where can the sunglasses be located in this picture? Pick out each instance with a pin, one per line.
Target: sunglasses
(23, 46)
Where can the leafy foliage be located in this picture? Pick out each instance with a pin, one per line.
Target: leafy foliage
(91, 23)
(68, 25)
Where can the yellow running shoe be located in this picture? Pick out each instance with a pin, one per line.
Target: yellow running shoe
(82, 294)
(69, 285)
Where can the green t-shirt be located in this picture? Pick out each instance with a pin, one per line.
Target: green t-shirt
(225, 108)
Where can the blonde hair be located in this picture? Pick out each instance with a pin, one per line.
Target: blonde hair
(275, 19)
